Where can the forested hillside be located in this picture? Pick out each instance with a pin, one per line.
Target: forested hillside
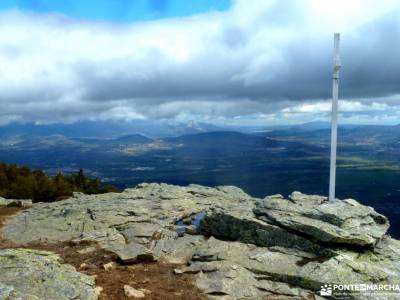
(24, 183)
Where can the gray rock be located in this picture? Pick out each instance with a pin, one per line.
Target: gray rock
(230, 273)
(333, 222)
(131, 292)
(3, 202)
(191, 229)
(15, 203)
(261, 266)
(136, 223)
(279, 196)
(243, 226)
(32, 274)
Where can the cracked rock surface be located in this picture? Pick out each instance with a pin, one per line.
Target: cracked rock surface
(239, 247)
(34, 274)
(339, 221)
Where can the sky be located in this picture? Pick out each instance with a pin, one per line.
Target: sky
(117, 10)
(240, 62)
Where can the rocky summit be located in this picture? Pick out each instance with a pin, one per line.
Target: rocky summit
(237, 246)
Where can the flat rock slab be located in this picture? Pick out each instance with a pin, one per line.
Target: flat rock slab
(333, 222)
(242, 271)
(34, 274)
(137, 224)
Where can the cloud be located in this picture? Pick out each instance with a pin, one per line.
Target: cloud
(262, 58)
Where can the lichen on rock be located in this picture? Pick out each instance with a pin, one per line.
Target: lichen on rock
(34, 274)
(339, 221)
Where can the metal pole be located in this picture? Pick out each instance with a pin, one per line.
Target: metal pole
(335, 95)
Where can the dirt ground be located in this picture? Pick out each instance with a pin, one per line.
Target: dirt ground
(6, 212)
(158, 279)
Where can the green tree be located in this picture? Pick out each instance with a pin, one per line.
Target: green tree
(23, 183)
(63, 187)
(80, 180)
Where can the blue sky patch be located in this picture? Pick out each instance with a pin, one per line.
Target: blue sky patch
(118, 10)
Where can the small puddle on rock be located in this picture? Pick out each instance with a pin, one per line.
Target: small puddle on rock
(193, 221)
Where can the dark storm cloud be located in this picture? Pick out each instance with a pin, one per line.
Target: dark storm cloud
(373, 59)
(371, 68)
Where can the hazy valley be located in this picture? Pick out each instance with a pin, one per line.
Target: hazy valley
(262, 162)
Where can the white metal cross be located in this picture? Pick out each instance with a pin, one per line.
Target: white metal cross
(335, 95)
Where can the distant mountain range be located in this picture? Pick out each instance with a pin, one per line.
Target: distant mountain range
(93, 134)
(163, 129)
(377, 136)
(125, 139)
(108, 129)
